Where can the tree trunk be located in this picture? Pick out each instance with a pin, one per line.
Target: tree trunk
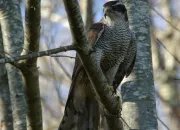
(139, 107)
(29, 66)
(6, 121)
(13, 39)
(166, 71)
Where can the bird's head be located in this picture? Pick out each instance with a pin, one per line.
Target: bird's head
(115, 10)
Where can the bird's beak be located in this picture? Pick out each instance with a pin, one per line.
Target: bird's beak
(107, 11)
(105, 14)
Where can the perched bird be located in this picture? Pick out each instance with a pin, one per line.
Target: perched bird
(114, 45)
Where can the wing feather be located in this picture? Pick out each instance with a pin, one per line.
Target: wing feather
(127, 65)
(94, 34)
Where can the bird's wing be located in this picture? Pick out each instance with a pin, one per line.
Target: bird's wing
(133, 46)
(127, 65)
(129, 70)
(94, 34)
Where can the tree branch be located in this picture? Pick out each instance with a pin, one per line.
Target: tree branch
(88, 58)
(31, 78)
(37, 54)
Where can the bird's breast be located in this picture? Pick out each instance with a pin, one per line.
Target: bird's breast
(114, 43)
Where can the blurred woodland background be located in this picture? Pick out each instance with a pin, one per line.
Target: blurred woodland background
(55, 72)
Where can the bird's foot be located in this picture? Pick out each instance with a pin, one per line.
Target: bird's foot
(118, 97)
(112, 89)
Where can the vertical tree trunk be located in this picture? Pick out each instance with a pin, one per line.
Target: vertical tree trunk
(139, 107)
(13, 39)
(29, 67)
(6, 121)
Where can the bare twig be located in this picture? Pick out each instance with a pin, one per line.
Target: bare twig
(63, 68)
(168, 51)
(150, 6)
(55, 84)
(173, 26)
(71, 57)
(162, 122)
(125, 123)
(37, 54)
(53, 114)
(176, 79)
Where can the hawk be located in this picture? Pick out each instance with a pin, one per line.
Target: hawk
(114, 46)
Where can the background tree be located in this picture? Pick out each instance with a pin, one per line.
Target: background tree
(166, 61)
(6, 122)
(13, 40)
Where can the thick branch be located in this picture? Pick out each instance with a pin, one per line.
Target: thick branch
(88, 59)
(37, 54)
(31, 78)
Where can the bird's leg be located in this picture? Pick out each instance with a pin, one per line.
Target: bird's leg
(110, 74)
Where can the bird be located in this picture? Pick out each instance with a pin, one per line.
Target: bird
(114, 45)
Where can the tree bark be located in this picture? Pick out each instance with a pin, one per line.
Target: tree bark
(6, 121)
(29, 67)
(139, 107)
(13, 39)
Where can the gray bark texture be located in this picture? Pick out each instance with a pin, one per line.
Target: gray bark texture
(13, 39)
(6, 121)
(139, 107)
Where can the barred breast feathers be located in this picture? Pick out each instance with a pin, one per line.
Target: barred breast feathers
(114, 42)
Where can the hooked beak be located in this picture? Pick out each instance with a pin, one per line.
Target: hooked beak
(107, 11)
(105, 14)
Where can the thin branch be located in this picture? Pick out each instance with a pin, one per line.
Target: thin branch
(168, 51)
(55, 84)
(176, 79)
(162, 122)
(63, 68)
(37, 54)
(125, 123)
(47, 106)
(150, 6)
(71, 57)
(173, 26)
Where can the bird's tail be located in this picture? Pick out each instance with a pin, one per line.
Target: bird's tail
(86, 119)
(81, 110)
